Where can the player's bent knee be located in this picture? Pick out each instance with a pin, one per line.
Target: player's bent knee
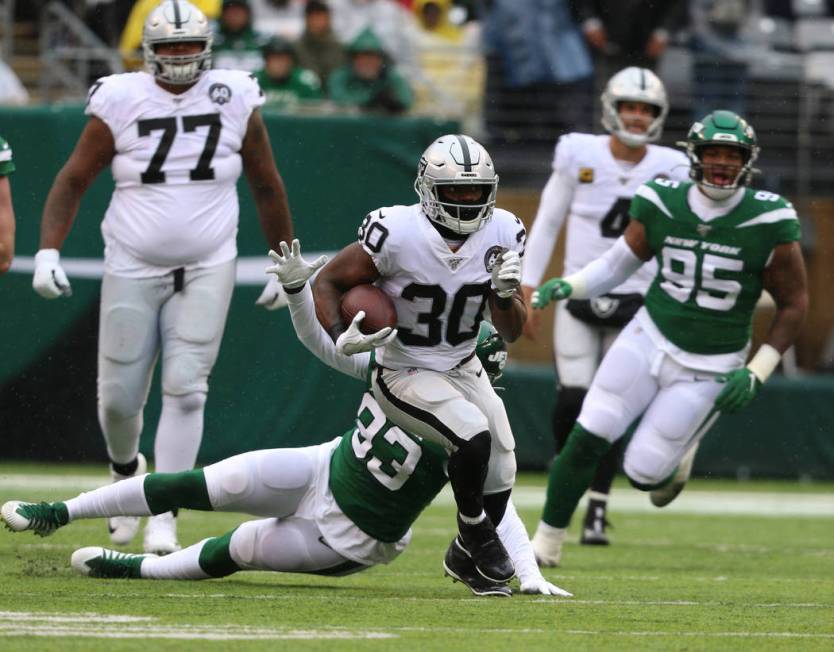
(501, 471)
(244, 543)
(646, 469)
(116, 403)
(184, 374)
(191, 402)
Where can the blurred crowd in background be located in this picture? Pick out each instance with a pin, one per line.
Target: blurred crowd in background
(479, 60)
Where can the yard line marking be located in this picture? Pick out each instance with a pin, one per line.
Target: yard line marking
(681, 603)
(86, 616)
(590, 632)
(718, 503)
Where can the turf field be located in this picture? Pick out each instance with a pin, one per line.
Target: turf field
(727, 567)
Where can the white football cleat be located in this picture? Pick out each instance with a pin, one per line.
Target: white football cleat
(124, 528)
(666, 494)
(161, 534)
(547, 544)
(95, 561)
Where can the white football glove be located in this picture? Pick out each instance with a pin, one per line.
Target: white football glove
(506, 274)
(540, 586)
(290, 268)
(49, 280)
(354, 341)
(273, 296)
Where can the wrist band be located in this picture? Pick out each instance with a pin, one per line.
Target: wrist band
(764, 362)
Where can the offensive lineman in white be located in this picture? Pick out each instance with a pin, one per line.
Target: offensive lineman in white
(177, 138)
(442, 261)
(594, 178)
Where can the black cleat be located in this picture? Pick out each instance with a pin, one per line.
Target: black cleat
(459, 566)
(593, 529)
(481, 543)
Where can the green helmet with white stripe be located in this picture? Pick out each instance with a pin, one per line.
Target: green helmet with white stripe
(721, 128)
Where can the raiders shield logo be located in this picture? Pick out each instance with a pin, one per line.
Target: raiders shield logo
(604, 307)
(586, 175)
(492, 255)
(703, 230)
(220, 94)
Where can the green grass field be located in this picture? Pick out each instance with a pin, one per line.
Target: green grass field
(683, 579)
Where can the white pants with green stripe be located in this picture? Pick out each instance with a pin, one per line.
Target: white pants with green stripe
(638, 377)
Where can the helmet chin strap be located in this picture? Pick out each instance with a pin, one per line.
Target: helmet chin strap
(716, 193)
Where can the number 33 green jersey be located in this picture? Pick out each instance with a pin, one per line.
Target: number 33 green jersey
(710, 272)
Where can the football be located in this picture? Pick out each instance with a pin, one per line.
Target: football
(378, 307)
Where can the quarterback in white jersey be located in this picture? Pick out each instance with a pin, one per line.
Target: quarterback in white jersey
(177, 138)
(593, 181)
(444, 262)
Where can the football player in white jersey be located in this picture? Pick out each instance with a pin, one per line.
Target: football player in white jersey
(176, 138)
(444, 261)
(593, 180)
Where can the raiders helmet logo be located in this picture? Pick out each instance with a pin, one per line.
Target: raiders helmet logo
(492, 255)
(220, 94)
(586, 175)
(604, 307)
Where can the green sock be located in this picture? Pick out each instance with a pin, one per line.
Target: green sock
(571, 474)
(61, 512)
(215, 558)
(168, 491)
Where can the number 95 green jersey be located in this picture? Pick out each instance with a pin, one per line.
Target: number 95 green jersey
(710, 273)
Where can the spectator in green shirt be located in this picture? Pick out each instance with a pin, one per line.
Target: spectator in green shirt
(369, 81)
(237, 45)
(6, 209)
(283, 81)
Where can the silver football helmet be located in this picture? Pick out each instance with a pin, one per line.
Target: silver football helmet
(634, 85)
(176, 21)
(455, 160)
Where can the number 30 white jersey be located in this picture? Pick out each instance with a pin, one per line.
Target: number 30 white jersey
(440, 295)
(595, 190)
(176, 168)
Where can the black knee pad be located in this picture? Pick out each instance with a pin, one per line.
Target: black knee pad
(568, 406)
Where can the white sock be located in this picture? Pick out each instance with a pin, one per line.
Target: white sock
(597, 496)
(472, 520)
(123, 498)
(513, 535)
(121, 436)
(181, 565)
(179, 433)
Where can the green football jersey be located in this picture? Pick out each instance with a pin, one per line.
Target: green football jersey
(382, 477)
(6, 161)
(710, 273)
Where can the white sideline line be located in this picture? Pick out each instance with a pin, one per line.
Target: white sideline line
(627, 501)
(589, 632)
(251, 270)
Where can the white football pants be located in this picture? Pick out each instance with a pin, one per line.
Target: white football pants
(579, 347)
(141, 317)
(447, 407)
(279, 483)
(636, 377)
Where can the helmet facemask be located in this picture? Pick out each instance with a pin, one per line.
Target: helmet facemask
(456, 160)
(178, 69)
(634, 85)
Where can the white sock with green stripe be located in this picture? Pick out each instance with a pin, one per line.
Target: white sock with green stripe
(181, 565)
(123, 498)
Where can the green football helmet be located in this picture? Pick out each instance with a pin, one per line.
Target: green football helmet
(491, 351)
(721, 128)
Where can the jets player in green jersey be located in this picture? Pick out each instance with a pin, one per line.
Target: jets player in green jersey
(680, 363)
(6, 209)
(331, 509)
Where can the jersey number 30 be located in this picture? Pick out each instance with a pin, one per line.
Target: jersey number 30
(168, 127)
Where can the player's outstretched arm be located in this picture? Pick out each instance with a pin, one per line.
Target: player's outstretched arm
(93, 152)
(266, 184)
(352, 266)
(786, 281)
(6, 226)
(602, 275)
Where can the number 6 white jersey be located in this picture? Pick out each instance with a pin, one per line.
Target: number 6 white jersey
(176, 168)
(599, 191)
(440, 295)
